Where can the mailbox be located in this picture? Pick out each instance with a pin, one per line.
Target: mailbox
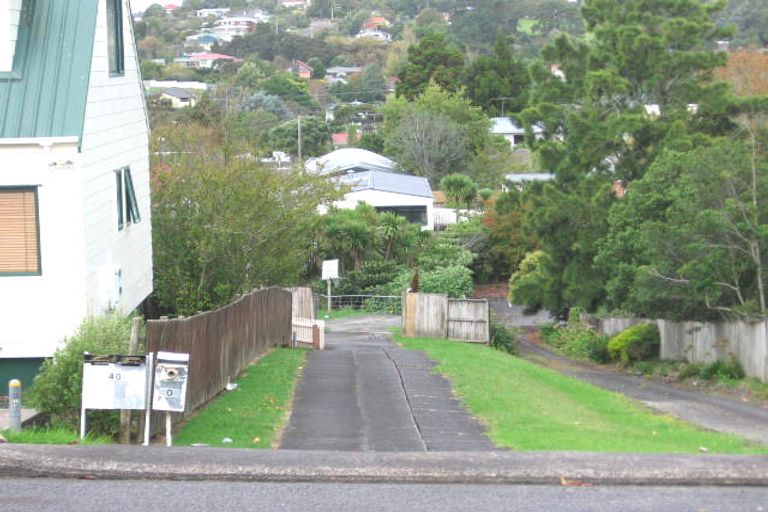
(170, 389)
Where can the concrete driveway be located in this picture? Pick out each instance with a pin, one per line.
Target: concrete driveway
(363, 393)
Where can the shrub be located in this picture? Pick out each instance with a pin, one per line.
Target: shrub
(637, 343)
(689, 370)
(577, 341)
(506, 340)
(586, 343)
(57, 389)
(729, 368)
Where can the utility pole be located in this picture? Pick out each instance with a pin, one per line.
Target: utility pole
(502, 99)
(299, 135)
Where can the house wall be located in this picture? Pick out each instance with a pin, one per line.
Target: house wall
(10, 12)
(380, 198)
(118, 263)
(38, 311)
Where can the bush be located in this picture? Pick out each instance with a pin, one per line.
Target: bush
(689, 370)
(637, 343)
(506, 340)
(730, 368)
(57, 389)
(586, 343)
(577, 341)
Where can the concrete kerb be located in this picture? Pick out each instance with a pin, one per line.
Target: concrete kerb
(545, 468)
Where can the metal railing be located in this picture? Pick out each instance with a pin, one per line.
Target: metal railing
(387, 304)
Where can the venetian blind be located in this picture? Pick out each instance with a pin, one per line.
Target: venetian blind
(18, 231)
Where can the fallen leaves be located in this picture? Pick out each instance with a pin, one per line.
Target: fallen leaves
(567, 482)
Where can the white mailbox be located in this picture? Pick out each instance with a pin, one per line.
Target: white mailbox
(114, 382)
(170, 389)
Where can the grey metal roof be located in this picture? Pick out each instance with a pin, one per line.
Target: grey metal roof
(383, 181)
(529, 176)
(45, 95)
(178, 92)
(505, 126)
(349, 159)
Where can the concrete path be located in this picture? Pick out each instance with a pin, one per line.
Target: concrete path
(744, 419)
(362, 393)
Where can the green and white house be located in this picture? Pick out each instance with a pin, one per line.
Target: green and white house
(75, 230)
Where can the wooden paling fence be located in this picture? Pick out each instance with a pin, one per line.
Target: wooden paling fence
(221, 343)
(434, 315)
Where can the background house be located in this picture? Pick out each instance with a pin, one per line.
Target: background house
(179, 98)
(515, 134)
(75, 234)
(374, 179)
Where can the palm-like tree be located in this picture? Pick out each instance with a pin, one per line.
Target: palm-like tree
(460, 189)
(392, 228)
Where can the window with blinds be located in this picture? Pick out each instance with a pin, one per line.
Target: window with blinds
(19, 237)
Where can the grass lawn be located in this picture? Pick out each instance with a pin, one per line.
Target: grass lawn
(252, 414)
(528, 407)
(53, 435)
(336, 314)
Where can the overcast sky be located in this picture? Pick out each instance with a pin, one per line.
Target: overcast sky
(140, 5)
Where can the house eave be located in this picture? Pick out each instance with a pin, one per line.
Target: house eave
(44, 142)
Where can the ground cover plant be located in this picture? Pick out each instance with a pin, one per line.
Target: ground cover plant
(251, 415)
(528, 407)
(52, 435)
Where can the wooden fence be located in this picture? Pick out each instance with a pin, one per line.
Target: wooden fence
(221, 343)
(705, 342)
(304, 304)
(434, 315)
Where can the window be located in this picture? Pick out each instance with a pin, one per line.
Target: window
(115, 47)
(127, 206)
(413, 214)
(19, 231)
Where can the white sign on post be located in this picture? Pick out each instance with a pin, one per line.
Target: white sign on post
(330, 269)
(114, 382)
(170, 390)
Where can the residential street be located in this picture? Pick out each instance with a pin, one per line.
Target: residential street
(364, 394)
(53, 495)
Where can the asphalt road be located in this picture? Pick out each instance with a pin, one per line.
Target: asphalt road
(53, 495)
(362, 393)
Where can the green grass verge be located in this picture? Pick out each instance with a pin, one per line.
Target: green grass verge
(252, 414)
(336, 314)
(52, 435)
(528, 407)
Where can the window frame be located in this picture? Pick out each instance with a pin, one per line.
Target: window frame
(115, 39)
(35, 195)
(127, 203)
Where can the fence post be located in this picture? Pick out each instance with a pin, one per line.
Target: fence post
(14, 404)
(125, 416)
(315, 336)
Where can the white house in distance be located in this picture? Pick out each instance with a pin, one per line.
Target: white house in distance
(515, 134)
(75, 235)
(373, 179)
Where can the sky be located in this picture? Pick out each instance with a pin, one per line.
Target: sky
(140, 5)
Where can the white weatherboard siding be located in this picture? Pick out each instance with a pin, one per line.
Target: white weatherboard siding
(115, 135)
(380, 198)
(45, 308)
(10, 12)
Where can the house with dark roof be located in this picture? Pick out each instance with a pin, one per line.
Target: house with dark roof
(75, 229)
(374, 179)
(179, 98)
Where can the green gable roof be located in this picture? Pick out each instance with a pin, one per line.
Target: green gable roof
(45, 94)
